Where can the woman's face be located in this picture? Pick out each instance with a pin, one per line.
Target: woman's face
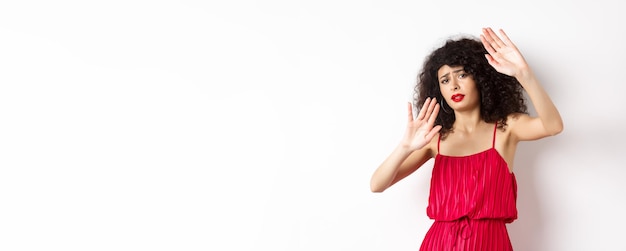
(458, 88)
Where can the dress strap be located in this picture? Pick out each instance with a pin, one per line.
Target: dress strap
(493, 143)
(438, 143)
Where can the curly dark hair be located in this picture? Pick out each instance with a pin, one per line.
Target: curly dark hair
(500, 94)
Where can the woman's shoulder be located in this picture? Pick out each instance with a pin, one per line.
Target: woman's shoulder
(523, 127)
(513, 121)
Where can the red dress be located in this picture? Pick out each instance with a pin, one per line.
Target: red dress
(471, 199)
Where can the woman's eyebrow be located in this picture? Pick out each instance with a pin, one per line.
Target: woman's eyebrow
(455, 71)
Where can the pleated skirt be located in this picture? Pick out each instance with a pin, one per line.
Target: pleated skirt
(467, 235)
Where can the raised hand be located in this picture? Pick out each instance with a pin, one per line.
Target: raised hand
(421, 130)
(503, 54)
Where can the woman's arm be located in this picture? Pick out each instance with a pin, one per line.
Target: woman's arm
(413, 150)
(507, 59)
(548, 121)
(400, 164)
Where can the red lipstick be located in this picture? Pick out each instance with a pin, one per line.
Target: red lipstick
(457, 97)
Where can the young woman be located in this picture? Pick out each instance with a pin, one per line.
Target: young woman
(472, 117)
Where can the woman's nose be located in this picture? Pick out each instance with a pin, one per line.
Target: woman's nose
(454, 86)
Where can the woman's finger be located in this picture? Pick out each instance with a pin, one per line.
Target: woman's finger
(506, 38)
(429, 109)
(422, 114)
(433, 132)
(494, 40)
(433, 115)
(410, 111)
(487, 45)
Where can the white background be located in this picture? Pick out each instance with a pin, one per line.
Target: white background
(256, 125)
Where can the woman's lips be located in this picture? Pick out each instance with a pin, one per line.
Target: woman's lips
(457, 97)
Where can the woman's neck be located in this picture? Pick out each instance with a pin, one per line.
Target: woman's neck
(467, 121)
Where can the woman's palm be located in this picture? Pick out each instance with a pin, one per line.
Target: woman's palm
(421, 130)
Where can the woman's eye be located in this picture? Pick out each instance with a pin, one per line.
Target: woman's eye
(445, 81)
(462, 75)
